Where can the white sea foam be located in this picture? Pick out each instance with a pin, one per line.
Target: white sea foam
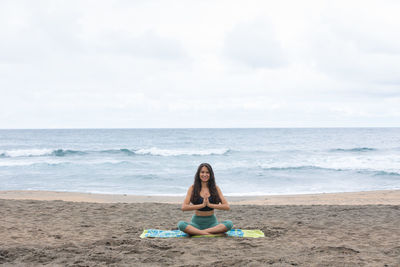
(180, 152)
(16, 163)
(26, 152)
(387, 163)
(49, 161)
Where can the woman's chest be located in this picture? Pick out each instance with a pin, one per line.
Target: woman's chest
(204, 193)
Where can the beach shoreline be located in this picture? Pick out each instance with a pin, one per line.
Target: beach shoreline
(379, 197)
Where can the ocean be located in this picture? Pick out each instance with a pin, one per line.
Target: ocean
(264, 161)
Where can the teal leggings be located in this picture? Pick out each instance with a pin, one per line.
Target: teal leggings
(203, 222)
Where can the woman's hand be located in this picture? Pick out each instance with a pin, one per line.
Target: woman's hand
(206, 200)
(204, 203)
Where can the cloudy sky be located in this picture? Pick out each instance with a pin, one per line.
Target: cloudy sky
(145, 64)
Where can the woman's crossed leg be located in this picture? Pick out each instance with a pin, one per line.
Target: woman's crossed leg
(193, 230)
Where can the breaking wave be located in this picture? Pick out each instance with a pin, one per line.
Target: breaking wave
(123, 151)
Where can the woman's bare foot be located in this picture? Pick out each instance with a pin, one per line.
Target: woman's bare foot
(194, 231)
(204, 232)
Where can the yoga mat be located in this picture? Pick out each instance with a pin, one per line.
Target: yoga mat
(178, 233)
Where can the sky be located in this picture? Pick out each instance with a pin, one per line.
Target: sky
(199, 64)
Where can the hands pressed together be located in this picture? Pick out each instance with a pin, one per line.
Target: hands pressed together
(206, 202)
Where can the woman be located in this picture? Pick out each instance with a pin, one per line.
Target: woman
(204, 196)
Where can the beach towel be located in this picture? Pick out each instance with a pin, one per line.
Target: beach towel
(178, 233)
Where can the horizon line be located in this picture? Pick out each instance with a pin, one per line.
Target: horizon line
(166, 128)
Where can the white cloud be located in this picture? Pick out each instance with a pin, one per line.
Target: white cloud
(255, 44)
(199, 64)
(359, 42)
(147, 45)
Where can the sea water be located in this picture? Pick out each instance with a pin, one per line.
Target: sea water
(164, 161)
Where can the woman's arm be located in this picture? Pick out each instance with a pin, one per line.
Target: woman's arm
(186, 203)
(221, 206)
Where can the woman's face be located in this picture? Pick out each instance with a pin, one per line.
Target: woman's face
(204, 174)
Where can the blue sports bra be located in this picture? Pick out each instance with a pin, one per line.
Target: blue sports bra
(200, 201)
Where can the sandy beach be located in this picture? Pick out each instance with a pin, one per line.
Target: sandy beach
(75, 229)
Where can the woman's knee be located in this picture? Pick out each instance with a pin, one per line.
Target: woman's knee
(228, 224)
(182, 225)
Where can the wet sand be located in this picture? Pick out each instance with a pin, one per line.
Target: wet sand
(383, 197)
(67, 233)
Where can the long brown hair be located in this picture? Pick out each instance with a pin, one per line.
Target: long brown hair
(211, 185)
